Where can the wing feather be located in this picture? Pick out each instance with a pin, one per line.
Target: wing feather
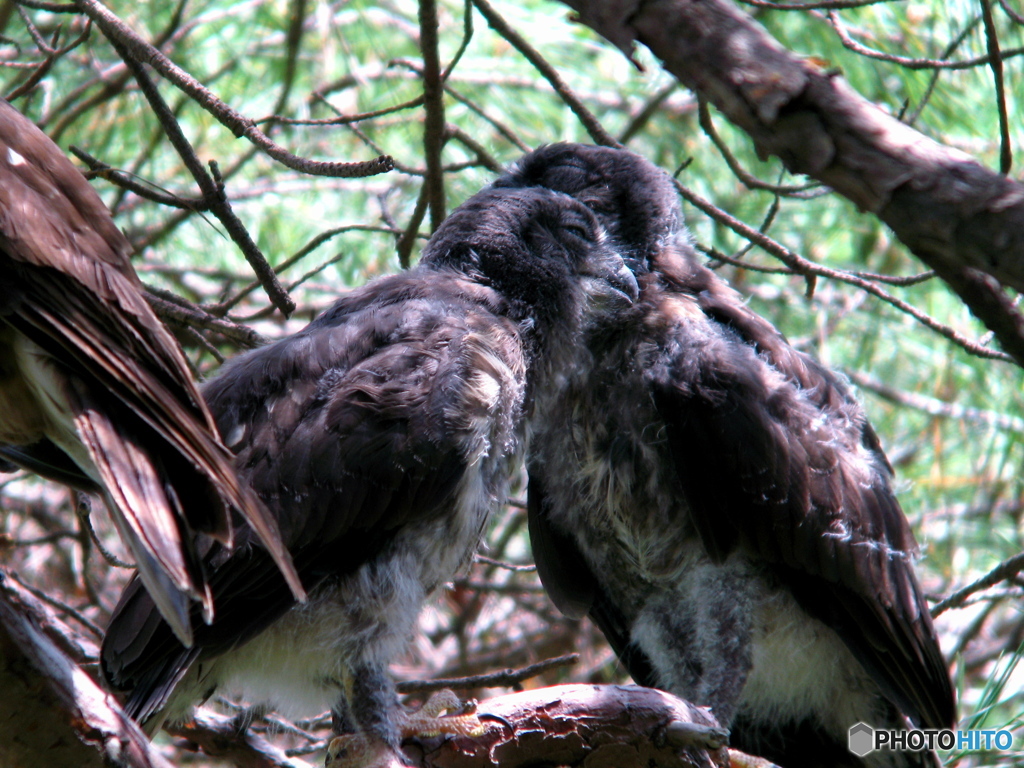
(71, 290)
(346, 441)
(777, 457)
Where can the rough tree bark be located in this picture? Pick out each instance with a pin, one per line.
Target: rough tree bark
(51, 712)
(963, 220)
(597, 726)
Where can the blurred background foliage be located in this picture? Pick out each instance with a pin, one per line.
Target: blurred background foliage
(951, 422)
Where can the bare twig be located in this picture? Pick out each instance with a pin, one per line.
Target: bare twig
(811, 5)
(502, 27)
(433, 111)
(934, 406)
(408, 238)
(802, 266)
(139, 50)
(171, 306)
(907, 61)
(508, 678)
(210, 184)
(1002, 572)
(220, 736)
(478, 558)
(996, 65)
(748, 179)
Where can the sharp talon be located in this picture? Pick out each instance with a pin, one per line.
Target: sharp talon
(427, 721)
(498, 719)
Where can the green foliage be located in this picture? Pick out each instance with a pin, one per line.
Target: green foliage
(959, 462)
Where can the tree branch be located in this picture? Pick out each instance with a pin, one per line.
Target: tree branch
(591, 123)
(948, 209)
(120, 33)
(433, 112)
(625, 726)
(41, 683)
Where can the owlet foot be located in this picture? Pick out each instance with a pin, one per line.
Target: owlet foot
(361, 750)
(742, 760)
(427, 721)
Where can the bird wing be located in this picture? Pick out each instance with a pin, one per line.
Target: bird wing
(573, 587)
(99, 357)
(46, 459)
(363, 423)
(562, 568)
(776, 457)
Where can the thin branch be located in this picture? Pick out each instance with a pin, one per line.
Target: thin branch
(804, 267)
(220, 736)
(500, 127)
(344, 119)
(935, 407)
(933, 79)
(508, 678)
(52, 55)
(226, 305)
(433, 111)
(483, 156)
(120, 34)
(1002, 572)
(467, 36)
(478, 558)
(907, 61)
(143, 189)
(408, 238)
(171, 306)
(84, 512)
(831, 4)
(996, 65)
(1015, 15)
(502, 27)
(65, 609)
(41, 5)
(649, 110)
(209, 184)
(747, 179)
(293, 44)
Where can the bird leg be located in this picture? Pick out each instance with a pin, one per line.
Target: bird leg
(361, 750)
(427, 720)
(367, 749)
(246, 717)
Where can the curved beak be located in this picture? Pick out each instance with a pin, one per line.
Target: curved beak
(609, 271)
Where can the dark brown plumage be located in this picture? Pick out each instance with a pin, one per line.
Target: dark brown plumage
(719, 504)
(94, 391)
(380, 436)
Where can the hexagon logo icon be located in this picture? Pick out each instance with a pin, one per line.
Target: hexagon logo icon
(862, 739)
